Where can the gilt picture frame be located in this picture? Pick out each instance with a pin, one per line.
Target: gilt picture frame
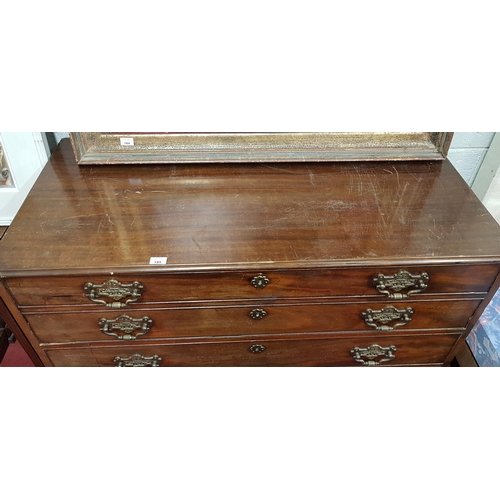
(125, 148)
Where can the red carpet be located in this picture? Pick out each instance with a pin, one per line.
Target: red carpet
(16, 356)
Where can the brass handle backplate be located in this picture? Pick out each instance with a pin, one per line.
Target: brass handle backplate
(370, 353)
(392, 286)
(257, 314)
(260, 281)
(257, 348)
(114, 290)
(380, 319)
(138, 360)
(125, 325)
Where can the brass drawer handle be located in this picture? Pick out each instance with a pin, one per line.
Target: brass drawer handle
(392, 286)
(138, 360)
(260, 281)
(372, 352)
(127, 325)
(257, 314)
(114, 290)
(380, 319)
(257, 348)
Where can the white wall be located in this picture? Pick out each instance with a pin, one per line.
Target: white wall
(60, 135)
(492, 198)
(26, 154)
(467, 152)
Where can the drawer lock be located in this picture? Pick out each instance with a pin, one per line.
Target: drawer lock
(260, 281)
(257, 348)
(257, 314)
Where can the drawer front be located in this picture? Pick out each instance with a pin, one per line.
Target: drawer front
(422, 349)
(254, 286)
(250, 320)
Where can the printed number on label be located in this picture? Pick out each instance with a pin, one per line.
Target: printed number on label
(158, 260)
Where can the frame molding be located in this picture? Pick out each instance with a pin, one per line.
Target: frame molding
(102, 148)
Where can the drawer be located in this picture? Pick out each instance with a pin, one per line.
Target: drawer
(344, 282)
(156, 323)
(421, 349)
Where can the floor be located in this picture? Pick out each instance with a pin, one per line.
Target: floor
(15, 356)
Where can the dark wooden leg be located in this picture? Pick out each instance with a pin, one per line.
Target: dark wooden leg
(464, 357)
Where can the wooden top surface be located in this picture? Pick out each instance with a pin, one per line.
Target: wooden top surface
(259, 216)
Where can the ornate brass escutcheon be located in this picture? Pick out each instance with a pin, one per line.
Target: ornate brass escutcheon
(127, 325)
(260, 281)
(258, 314)
(392, 286)
(380, 319)
(372, 352)
(138, 360)
(114, 290)
(257, 348)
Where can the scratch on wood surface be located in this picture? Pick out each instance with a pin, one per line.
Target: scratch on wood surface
(197, 244)
(377, 202)
(295, 252)
(356, 185)
(311, 177)
(280, 169)
(75, 217)
(109, 220)
(438, 237)
(397, 176)
(391, 172)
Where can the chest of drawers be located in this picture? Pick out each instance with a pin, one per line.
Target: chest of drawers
(365, 264)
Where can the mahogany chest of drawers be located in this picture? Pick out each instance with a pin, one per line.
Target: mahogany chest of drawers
(326, 264)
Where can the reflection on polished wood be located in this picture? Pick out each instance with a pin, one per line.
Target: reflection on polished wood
(289, 215)
(305, 243)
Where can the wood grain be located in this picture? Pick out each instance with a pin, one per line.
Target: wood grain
(192, 322)
(319, 232)
(315, 283)
(219, 216)
(312, 352)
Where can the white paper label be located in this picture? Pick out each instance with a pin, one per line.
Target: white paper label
(158, 260)
(126, 141)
